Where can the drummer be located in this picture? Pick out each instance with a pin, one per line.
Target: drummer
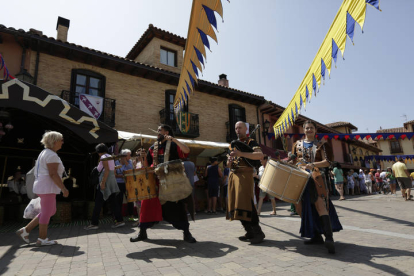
(316, 210)
(151, 209)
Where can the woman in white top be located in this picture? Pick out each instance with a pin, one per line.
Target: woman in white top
(48, 182)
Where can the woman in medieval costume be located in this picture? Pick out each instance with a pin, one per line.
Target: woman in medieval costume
(316, 209)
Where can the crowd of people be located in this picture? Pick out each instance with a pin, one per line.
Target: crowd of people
(231, 189)
(372, 181)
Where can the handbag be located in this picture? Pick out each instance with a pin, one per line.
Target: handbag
(32, 209)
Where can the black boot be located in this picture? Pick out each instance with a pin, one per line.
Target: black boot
(142, 236)
(249, 232)
(188, 237)
(317, 239)
(329, 242)
(258, 235)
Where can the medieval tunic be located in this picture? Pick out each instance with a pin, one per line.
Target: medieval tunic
(240, 191)
(151, 209)
(310, 223)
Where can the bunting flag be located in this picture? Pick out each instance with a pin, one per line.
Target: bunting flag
(389, 158)
(202, 24)
(349, 136)
(350, 12)
(6, 73)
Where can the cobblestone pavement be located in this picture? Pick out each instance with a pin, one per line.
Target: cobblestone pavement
(378, 238)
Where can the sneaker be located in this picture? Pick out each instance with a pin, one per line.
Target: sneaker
(118, 224)
(91, 227)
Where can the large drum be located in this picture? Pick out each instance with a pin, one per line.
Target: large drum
(285, 182)
(174, 184)
(140, 184)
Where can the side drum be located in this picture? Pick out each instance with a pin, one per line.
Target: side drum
(174, 184)
(140, 184)
(284, 181)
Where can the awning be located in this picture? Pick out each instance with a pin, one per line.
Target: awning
(136, 138)
(30, 98)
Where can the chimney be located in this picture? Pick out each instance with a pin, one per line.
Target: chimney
(62, 28)
(223, 80)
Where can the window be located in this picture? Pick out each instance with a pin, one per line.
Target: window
(395, 146)
(87, 82)
(236, 113)
(168, 57)
(169, 105)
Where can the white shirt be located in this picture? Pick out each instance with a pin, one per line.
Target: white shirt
(261, 171)
(43, 182)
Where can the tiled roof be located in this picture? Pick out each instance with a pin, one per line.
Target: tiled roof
(37, 35)
(342, 124)
(149, 34)
(391, 130)
(409, 122)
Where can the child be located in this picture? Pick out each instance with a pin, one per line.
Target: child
(351, 182)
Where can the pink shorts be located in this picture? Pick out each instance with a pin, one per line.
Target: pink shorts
(47, 207)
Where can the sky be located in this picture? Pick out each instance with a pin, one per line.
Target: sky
(264, 47)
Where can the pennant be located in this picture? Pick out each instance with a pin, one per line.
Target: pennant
(191, 79)
(374, 3)
(194, 67)
(334, 51)
(307, 94)
(314, 85)
(350, 26)
(323, 68)
(204, 38)
(210, 16)
(199, 55)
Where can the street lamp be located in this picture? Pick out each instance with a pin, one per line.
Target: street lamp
(266, 126)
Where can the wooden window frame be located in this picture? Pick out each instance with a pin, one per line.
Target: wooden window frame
(398, 150)
(88, 74)
(172, 51)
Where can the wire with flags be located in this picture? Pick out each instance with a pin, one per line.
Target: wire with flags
(350, 12)
(350, 136)
(202, 24)
(6, 73)
(389, 158)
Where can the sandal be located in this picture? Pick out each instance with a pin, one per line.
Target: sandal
(23, 235)
(44, 242)
(273, 214)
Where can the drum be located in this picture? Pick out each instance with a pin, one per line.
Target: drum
(140, 184)
(285, 182)
(174, 184)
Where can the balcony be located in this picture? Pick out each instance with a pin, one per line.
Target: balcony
(108, 113)
(168, 117)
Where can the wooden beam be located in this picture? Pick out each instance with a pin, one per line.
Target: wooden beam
(119, 67)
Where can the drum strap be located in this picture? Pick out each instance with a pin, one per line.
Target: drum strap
(166, 153)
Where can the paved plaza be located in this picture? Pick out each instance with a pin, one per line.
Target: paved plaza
(378, 239)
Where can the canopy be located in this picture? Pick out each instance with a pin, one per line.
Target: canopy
(15, 94)
(129, 136)
(350, 12)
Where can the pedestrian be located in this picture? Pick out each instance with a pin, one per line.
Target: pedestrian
(392, 180)
(351, 183)
(372, 176)
(400, 171)
(368, 182)
(48, 183)
(122, 165)
(262, 194)
(378, 180)
(189, 169)
(361, 178)
(226, 173)
(106, 190)
(213, 174)
(339, 180)
(356, 182)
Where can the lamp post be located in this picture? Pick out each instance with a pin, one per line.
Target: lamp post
(266, 126)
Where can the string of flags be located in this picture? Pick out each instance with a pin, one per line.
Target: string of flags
(350, 12)
(350, 136)
(6, 73)
(202, 24)
(389, 158)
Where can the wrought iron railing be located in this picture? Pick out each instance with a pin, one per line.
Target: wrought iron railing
(168, 117)
(108, 113)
